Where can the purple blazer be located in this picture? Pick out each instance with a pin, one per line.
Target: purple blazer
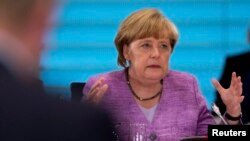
(181, 112)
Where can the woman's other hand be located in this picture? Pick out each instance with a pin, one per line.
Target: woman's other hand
(97, 91)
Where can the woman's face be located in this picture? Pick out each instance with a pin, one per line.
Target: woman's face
(148, 57)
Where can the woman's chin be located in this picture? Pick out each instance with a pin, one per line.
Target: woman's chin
(156, 74)
(156, 77)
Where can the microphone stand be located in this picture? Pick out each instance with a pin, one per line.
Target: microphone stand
(217, 111)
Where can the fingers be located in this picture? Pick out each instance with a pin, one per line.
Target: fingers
(98, 83)
(241, 99)
(97, 90)
(100, 93)
(236, 84)
(233, 80)
(239, 86)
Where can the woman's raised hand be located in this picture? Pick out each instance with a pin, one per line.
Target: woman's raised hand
(231, 97)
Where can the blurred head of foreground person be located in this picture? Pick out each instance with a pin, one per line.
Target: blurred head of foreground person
(26, 113)
(22, 27)
(168, 103)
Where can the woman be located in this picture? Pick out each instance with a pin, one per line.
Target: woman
(168, 102)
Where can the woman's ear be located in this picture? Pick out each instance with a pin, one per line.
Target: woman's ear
(125, 52)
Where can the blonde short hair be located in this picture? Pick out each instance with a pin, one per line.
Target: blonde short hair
(142, 24)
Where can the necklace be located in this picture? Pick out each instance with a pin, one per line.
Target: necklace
(135, 95)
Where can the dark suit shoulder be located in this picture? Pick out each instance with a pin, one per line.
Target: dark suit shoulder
(239, 57)
(238, 63)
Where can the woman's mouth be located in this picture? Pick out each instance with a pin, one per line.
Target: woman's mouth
(154, 66)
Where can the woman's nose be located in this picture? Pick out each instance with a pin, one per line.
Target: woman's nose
(155, 52)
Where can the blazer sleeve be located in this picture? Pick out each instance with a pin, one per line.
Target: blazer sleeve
(205, 118)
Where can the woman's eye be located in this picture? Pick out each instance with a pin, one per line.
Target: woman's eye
(164, 46)
(146, 45)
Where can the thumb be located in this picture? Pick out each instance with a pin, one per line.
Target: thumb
(217, 86)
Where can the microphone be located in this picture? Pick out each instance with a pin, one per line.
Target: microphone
(217, 111)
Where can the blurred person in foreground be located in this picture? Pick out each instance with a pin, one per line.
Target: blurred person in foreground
(26, 112)
(239, 64)
(146, 91)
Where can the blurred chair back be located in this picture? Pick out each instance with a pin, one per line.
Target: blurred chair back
(76, 90)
